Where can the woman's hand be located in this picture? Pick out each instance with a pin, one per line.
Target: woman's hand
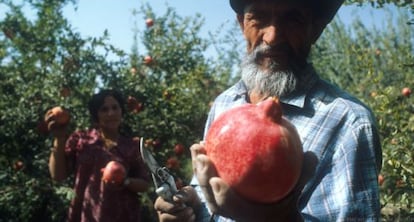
(182, 208)
(57, 162)
(222, 200)
(53, 126)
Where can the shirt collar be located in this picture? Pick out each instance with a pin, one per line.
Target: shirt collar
(298, 97)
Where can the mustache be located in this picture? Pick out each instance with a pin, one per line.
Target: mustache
(264, 50)
(271, 81)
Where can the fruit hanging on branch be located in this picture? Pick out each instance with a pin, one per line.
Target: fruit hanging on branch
(256, 151)
(148, 60)
(406, 91)
(149, 22)
(179, 149)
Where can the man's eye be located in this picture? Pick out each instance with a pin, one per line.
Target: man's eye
(295, 17)
(256, 19)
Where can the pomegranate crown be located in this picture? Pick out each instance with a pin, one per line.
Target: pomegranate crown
(272, 109)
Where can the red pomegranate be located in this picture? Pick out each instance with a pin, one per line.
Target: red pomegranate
(61, 115)
(406, 91)
(114, 173)
(256, 151)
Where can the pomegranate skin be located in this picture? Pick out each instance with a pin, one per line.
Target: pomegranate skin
(256, 151)
(62, 116)
(114, 173)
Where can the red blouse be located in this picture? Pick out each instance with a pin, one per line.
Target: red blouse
(95, 201)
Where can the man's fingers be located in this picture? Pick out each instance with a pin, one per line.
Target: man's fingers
(195, 150)
(186, 214)
(204, 170)
(177, 210)
(165, 206)
(224, 197)
(188, 196)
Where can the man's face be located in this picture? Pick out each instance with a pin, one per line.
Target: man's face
(279, 37)
(285, 27)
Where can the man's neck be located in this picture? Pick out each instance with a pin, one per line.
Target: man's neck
(256, 97)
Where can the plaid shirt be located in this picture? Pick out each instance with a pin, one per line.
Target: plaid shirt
(340, 130)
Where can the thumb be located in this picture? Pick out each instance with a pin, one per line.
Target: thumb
(227, 202)
(220, 191)
(187, 195)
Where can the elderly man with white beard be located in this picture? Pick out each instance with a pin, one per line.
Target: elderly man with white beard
(338, 133)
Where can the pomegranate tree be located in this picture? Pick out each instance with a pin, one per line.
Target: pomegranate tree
(256, 151)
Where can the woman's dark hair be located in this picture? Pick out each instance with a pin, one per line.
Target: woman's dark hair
(98, 100)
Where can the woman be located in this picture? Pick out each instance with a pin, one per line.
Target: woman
(86, 152)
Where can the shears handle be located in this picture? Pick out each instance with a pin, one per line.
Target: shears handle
(167, 188)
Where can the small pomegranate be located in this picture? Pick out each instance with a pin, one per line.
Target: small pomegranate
(149, 22)
(60, 115)
(173, 163)
(18, 165)
(133, 71)
(147, 60)
(179, 149)
(406, 91)
(256, 151)
(131, 103)
(381, 179)
(114, 173)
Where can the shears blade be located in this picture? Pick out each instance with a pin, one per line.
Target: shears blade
(148, 158)
(164, 182)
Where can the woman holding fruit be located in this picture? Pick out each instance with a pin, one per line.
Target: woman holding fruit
(107, 167)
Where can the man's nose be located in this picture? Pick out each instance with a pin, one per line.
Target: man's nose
(271, 34)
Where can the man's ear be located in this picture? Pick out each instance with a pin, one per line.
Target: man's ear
(240, 19)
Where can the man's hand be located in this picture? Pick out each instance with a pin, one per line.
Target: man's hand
(182, 208)
(222, 200)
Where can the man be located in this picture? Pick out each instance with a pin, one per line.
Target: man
(339, 137)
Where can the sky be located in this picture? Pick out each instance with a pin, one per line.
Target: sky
(92, 17)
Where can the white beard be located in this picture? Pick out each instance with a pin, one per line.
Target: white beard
(271, 81)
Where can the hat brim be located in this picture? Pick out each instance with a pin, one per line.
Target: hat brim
(324, 9)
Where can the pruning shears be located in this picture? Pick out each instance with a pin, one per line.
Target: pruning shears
(164, 182)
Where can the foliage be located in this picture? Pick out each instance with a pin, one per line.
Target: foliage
(39, 59)
(381, 3)
(45, 63)
(375, 65)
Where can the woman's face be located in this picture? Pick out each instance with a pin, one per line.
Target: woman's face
(110, 114)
